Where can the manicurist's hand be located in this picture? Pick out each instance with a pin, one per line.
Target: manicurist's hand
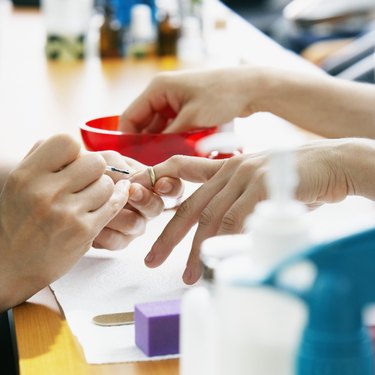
(143, 204)
(316, 102)
(52, 206)
(174, 102)
(328, 170)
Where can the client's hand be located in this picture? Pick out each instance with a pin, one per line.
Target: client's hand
(232, 187)
(143, 204)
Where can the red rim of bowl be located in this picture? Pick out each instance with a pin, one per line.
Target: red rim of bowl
(118, 132)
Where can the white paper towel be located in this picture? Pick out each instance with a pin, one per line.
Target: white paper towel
(109, 282)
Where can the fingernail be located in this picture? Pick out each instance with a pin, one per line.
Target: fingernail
(136, 195)
(149, 258)
(164, 187)
(188, 275)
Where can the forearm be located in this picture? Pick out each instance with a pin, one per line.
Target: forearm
(321, 104)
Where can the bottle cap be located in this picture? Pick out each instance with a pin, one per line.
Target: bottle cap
(215, 249)
(141, 22)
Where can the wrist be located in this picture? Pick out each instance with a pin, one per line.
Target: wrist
(6, 292)
(256, 85)
(269, 89)
(358, 157)
(12, 286)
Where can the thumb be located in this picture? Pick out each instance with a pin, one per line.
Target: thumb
(189, 168)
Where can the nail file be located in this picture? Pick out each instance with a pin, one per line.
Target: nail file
(117, 319)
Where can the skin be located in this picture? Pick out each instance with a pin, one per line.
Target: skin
(57, 203)
(143, 205)
(232, 187)
(329, 170)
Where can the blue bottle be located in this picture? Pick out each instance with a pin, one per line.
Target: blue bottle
(335, 340)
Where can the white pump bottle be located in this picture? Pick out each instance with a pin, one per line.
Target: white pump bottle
(256, 330)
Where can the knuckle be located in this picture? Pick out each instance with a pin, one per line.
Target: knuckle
(207, 217)
(259, 180)
(81, 228)
(107, 183)
(185, 210)
(41, 201)
(18, 178)
(160, 79)
(115, 205)
(66, 142)
(178, 159)
(97, 160)
(110, 156)
(230, 223)
(246, 167)
(56, 218)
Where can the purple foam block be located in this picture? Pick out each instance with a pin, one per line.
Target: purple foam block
(157, 327)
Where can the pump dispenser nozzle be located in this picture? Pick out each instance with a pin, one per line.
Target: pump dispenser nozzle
(282, 178)
(278, 226)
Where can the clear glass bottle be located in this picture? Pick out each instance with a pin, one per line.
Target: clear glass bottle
(67, 25)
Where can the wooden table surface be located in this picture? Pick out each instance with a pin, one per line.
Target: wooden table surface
(40, 98)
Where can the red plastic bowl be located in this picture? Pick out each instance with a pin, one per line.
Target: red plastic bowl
(150, 149)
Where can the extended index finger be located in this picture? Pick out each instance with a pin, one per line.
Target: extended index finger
(189, 168)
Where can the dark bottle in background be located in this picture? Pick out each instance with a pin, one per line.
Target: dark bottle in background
(168, 32)
(110, 33)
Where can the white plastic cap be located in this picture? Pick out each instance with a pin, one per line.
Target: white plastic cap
(217, 248)
(279, 227)
(141, 22)
(282, 178)
(68, 17)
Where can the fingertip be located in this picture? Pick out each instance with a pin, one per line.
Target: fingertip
(178, 125)
(121, 121)
(125, 184)
(135, 192)
(149, 258)
(151, 261)
(192, 274)
(173, 128)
